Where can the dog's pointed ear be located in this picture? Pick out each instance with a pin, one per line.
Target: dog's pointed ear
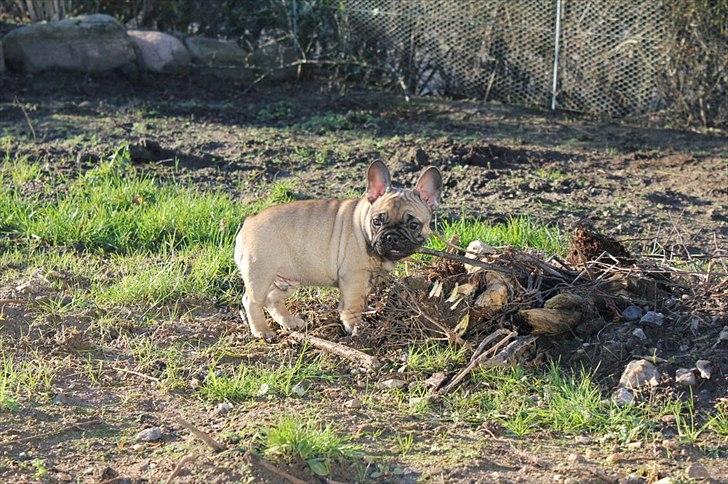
(429, 187)
(378, 180)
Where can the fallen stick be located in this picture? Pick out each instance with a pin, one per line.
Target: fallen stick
(476, 362)
(254, 459)
(509, 352)
(212, 443)
(464, 260)
(346, 352)
(178, 468)
(11, 301)
(132, 372)
(489, 339)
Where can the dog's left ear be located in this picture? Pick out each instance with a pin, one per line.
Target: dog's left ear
(429, 187)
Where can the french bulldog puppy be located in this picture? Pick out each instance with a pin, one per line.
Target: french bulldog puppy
(338, 243)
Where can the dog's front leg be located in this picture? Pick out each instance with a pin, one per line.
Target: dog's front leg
(354, 292)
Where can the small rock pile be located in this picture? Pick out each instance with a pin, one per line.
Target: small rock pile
(99, 43)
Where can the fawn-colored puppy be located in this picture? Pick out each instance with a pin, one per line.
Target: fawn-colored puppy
(331, 243)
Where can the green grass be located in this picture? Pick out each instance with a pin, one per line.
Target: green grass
(22, 379)
(565, 403)
(434, 356)
(19, 170)
(293, 437)
(550, 174)
(521, 232)
(247, 382)
(115, 208)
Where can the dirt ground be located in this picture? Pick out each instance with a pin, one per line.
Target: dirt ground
(639, 184)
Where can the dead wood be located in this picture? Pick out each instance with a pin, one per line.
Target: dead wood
(362, 359)
(476, 362)
(560, 314)
(464, 260)
(256, 459)
(206, 438)
(180, 465)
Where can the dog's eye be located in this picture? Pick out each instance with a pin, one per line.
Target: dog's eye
(414, 225)
(377, 221)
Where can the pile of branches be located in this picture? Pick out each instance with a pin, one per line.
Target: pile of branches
(500, 303)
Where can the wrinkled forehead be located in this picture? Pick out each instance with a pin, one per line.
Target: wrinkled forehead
(397, 203)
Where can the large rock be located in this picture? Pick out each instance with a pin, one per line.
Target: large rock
(89, 43)
(213, 52)
(159, 52)
(638, 373)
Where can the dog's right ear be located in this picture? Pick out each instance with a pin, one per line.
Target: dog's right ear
(378, 181)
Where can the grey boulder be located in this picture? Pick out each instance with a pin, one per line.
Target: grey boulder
(160, 52)
(88, 43)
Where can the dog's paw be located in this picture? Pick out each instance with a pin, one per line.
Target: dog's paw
(268, 334)
(293, 323)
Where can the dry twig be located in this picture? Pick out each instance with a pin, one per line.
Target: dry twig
(180, 465)
(206, 438)
(255, 459)
(364, 360)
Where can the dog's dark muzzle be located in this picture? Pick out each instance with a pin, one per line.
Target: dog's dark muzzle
(394, 245)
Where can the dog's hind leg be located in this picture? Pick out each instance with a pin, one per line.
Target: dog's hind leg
(275, 303)
(256, 319)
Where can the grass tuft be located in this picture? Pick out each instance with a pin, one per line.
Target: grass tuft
(295, 438)
(433, 356)
(521, 232)
(247, 382)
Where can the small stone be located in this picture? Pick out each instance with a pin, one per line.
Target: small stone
(639, 334)
(632, 313)
(634, 446)
(670, 444)
(613, 458)
(263, 390)
(63, 477)
(300, 388)
(590, 454)
(393, 383)
(633, 479)
(194, 383)
(668, 419)
(638, 373)
(698, 471)
(414, 401)
(622, 396)
(583, 439)
(88, 471)
(137, 447)
(435, 380)
(685, 377)
(705, 368)
(666, 480)
(723, 336)
(652, 317)
(223, 408)
(575, 457)
(353, 404)
(149, 435)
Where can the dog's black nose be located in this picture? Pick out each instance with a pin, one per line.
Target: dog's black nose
(391, 238)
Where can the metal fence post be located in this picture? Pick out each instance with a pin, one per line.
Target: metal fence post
(557, 37)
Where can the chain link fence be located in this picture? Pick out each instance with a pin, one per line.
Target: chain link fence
(604, 55)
